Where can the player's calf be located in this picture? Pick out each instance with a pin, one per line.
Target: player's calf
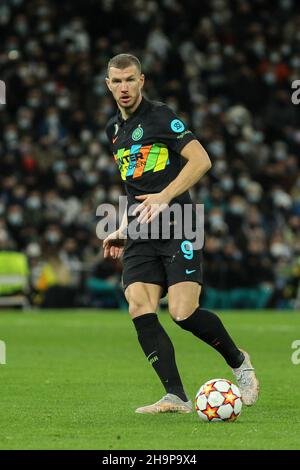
(208, 327)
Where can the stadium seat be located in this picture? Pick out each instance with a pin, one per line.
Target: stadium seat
(14, 279)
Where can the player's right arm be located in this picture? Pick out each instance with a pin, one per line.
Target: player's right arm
(113, 245)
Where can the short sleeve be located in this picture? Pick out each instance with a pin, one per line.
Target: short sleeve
(110, 128)
(171, 130)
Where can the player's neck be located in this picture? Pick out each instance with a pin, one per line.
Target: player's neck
(127, 112)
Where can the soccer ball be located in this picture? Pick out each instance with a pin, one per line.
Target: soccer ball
(218, 400)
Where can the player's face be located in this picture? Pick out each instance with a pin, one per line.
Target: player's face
(126, 86)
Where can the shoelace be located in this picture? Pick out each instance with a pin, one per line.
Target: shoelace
(163, 399)
(243, 378)
(166, 398)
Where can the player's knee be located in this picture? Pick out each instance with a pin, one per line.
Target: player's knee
(138, 308)
(181, 310)
(135, 309)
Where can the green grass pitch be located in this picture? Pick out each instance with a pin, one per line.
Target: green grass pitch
(73, 380)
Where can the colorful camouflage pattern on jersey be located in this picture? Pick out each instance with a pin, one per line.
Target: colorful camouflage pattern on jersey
(137, 160)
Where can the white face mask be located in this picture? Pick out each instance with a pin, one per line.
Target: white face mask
(10, 136)
(286, 4)
(86, 135)
(53, 237)
(281, 199)
(259, 48)
(52, 120)
(34, 102)
(63, 102)
(254, 197)
(33, 202)
(91, 178)
(100, 195)
(114, 196)
(15, 218)
(3, 235)
(243, 182)
(279, 250)
(59, 166)
(215, 109)
(24, 123)
(94, 149)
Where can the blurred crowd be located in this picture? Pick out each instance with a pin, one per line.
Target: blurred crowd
(224, 66)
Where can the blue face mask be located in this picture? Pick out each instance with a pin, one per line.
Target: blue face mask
(270, 78)
(53, 237)
(59, 166)
(243, 147)
(52, 120)
(217, 148)
(237, 209)
(216, 219)
(227, 184)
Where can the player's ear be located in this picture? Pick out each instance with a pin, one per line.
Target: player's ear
(108, 83)
(142, 79)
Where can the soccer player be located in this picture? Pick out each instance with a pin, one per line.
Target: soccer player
(150, 144)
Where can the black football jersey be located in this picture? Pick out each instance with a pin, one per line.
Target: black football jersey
(146, 147)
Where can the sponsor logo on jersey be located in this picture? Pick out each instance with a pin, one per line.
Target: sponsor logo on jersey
(180, 136)
(190, 271)
(137, 160)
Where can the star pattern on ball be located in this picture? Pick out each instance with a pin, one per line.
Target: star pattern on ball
(230, 397)
(209, 388)
(233, 416)
(211, 412)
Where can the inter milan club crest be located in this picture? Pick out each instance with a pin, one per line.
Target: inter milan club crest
(137, 133)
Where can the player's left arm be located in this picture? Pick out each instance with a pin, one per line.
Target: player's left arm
(173, 132)
(198, 163)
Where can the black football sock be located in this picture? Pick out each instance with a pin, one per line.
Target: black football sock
(159, 351)
(208, 327)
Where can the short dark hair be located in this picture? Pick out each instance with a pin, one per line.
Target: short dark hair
(121, 61)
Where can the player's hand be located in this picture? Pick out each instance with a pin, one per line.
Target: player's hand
(151, 206)
(113, 245)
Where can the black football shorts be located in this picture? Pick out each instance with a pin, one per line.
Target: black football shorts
(162, 262)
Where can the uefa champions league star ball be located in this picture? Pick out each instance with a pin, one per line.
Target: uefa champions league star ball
(218, 400)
